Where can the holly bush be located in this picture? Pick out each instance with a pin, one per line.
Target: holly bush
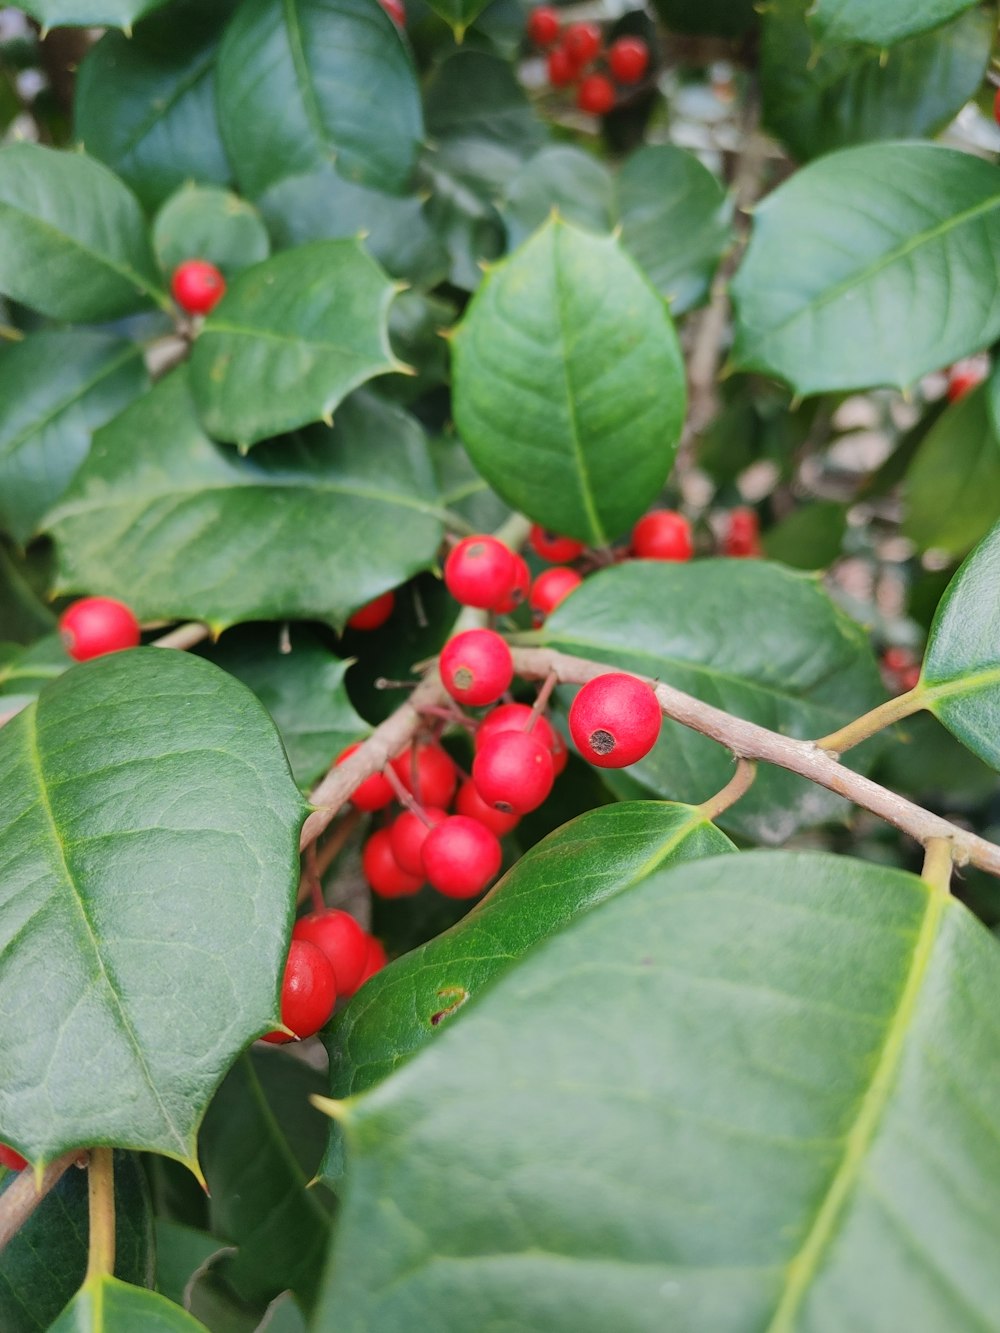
(513, 497)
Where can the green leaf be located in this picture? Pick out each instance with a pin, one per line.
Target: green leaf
(463, 490)
(475, 96)
(105, 1305)
(755, 1092)
(758, 640)
(145, 104)
(881, 24)
(952, 486)
(865, 268)
(723, 18)
(56, 387)
(567, 179)
(181, 1252)
(183, 528)
(290, 338)
(205, 223)
(458, 14)
(73, 241)
(303, 690)
(568, 384)
(810, 537)
(815, 101)
(24, 672)
(45, 1261)
(128, 771)
(461, 213)
(676, 221)
(261, 1145)
(90, 13)
(961, 670)
(344, 80)
(23, 614)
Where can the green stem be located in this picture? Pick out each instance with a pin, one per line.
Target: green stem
(893, 710)
(938, 863)
(101, 1192)
(738, 785)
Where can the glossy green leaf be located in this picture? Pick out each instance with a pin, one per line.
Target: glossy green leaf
(45, 1261)
(343, 78)
(961, 670)
(952, 486)
(755, 1092)
(880, 24)
(475, 96)
(463, 489)
(568, 384)
(149, 841)
(23, 612)
(56, 387)
(758, 640)
(810, 537)
(145, 104)
(24, 672)
(290, 339)
(458, 14)
(574, 183)
(461, 212)
(183, 528)
(200, 222)
(106, 1305)
(418, 327)
(676, 221)
(73, 241)
(303, 690)
(866, 267)
(90, 13)
(815, 101)
(182, 1252)
(260, 1145)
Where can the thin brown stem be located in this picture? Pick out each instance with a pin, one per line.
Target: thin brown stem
(541, 702)
(184, 636)
(101, 1193)
(738, 785)
(404, 796)
(337, 841)
(20, 1199)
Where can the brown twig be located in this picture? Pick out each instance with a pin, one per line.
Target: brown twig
(184, 636)
(20, 1199)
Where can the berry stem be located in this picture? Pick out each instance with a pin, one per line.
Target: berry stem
(20, 1199)
(184, 636)
(311, 874)
(738, 785)
(101, 1194)
(893, 710)
(938, 863)
(542, 700)
(328, 853)
(404, 797)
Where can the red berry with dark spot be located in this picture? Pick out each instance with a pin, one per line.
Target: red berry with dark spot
(596, 94)
(476, 667)
(480, 572)
(561, 69)
(513, 772)
(662, 535)
(383, 872)
(12, 1160)
(543, 25)
(581, 42)
(468, 802)
(550, 588)
(375, 613)
(461, 856)
(615, 720)
(308, 992)
(375, 960)
(553, 548)
(343, 941)
(197, 286)
(374, 793)
(407, 835)
(436, 774)
(742, 534)
(514, 717)
(97, 625)
(629, 59)
(519, 588)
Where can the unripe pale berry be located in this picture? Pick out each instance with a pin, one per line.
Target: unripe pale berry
(628, 58)
(662, 535)
(461, 856)
(407, 835)
(375, 960)
(550, 546)
(581, 42)
(373, 614)
(374, 793)
(383, 872)
(550, 588)
(436, 774)
(476, 667)
(12, 1160)
(514, 717)
(596, 95)
(614, 720)
(561, 69)
(468, 802)
(543, 25)
(519, 588)
(197, 286)
(308, 992)
(97, 625)
(343, 941)
(479, 572)
(513, 772)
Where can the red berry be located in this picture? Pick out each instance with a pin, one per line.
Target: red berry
(343, 941)
(519, 589)
(480, 572)
(12, 1160)
(897, 659)
(407, 835)
(550, 588)
(596, 94)
(581, 42)
(468, 802)
(308, 991)
(383, 872)
(514, 717)
(374, 793)
(97, 625)
(374, 613)
(662, 535)
(741, 537)
(543, 25)
(628, 58)
(476, 667)
(561, 69)
(513, 772)
(909, 677)
(197, 286)
(461, 856)
(375, 960)
(550, 546)
(560, 753)
(996, 106)
(395, 10)
(962, 377)
(614, 720)
(437, 775)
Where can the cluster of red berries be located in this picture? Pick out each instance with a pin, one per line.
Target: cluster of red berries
(197, 286)
(573, 50)
(330, 958)
(900, 669)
